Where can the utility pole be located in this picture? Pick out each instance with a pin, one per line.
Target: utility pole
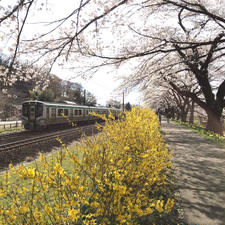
(84, 102)
(123, 101)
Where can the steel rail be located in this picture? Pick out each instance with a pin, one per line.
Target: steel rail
(42, 138)
(13, 135)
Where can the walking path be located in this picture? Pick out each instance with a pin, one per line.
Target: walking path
(200, 167)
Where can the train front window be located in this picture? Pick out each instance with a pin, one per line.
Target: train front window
(39, 109)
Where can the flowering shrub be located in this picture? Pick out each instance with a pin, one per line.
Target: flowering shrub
(117, 177)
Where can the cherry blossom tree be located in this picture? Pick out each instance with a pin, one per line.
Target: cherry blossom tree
(156, 39)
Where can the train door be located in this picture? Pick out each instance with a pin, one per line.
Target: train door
(53, 113)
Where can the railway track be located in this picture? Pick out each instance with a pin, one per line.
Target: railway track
(9, 137)
(22, 135)
(44, 137)
(18, 151)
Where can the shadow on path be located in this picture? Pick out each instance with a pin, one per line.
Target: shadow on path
(200, 167)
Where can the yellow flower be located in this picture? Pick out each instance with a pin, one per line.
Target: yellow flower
(169, 205)
(58, 169)
(1, 210)
(148, 210)
(3, 193)
(11, 167)
(23, 209)
(48, 209)
(159, 206)
(73, 213)
(10, 212)
(30, 173)
(94, 204)
(42, 158)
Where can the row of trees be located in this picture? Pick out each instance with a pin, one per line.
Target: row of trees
(59, 91)
(49, 88)
(56, 90)
(176, 104)
(174, 45)
(41, 86)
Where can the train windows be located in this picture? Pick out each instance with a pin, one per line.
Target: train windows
(53, 112)
(66, 112)
(80, 112)
(71, 112)
(60, 112)
(76, 112)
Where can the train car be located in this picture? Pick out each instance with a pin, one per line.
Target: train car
(37, 115)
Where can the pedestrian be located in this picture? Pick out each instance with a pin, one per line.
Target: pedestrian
(160, 118)
(158, 113)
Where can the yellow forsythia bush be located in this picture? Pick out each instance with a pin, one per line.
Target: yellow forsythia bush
(117, 177)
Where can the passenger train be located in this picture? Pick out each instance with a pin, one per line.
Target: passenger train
(37, 115)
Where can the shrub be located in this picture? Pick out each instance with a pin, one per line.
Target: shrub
(117, 177)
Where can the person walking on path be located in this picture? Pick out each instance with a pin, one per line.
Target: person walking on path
(160, 118)
(200, 170)
(159, 114)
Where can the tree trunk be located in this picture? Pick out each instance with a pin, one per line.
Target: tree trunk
(214, 123)
(178, 115)
(191, 120)
(183, 115)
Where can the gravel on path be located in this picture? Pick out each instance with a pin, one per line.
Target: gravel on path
(200, 168)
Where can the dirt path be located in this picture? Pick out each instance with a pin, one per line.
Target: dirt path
(201, 175)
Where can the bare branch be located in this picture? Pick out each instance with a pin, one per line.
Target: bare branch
(180, 21)
(19, 35)
(211, 51)
(15, 9)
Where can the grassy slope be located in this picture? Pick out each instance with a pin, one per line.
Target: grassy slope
(202, 131)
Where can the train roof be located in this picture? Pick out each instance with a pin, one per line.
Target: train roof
(56, 104)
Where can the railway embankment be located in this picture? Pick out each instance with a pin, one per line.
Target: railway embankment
(200, 170)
